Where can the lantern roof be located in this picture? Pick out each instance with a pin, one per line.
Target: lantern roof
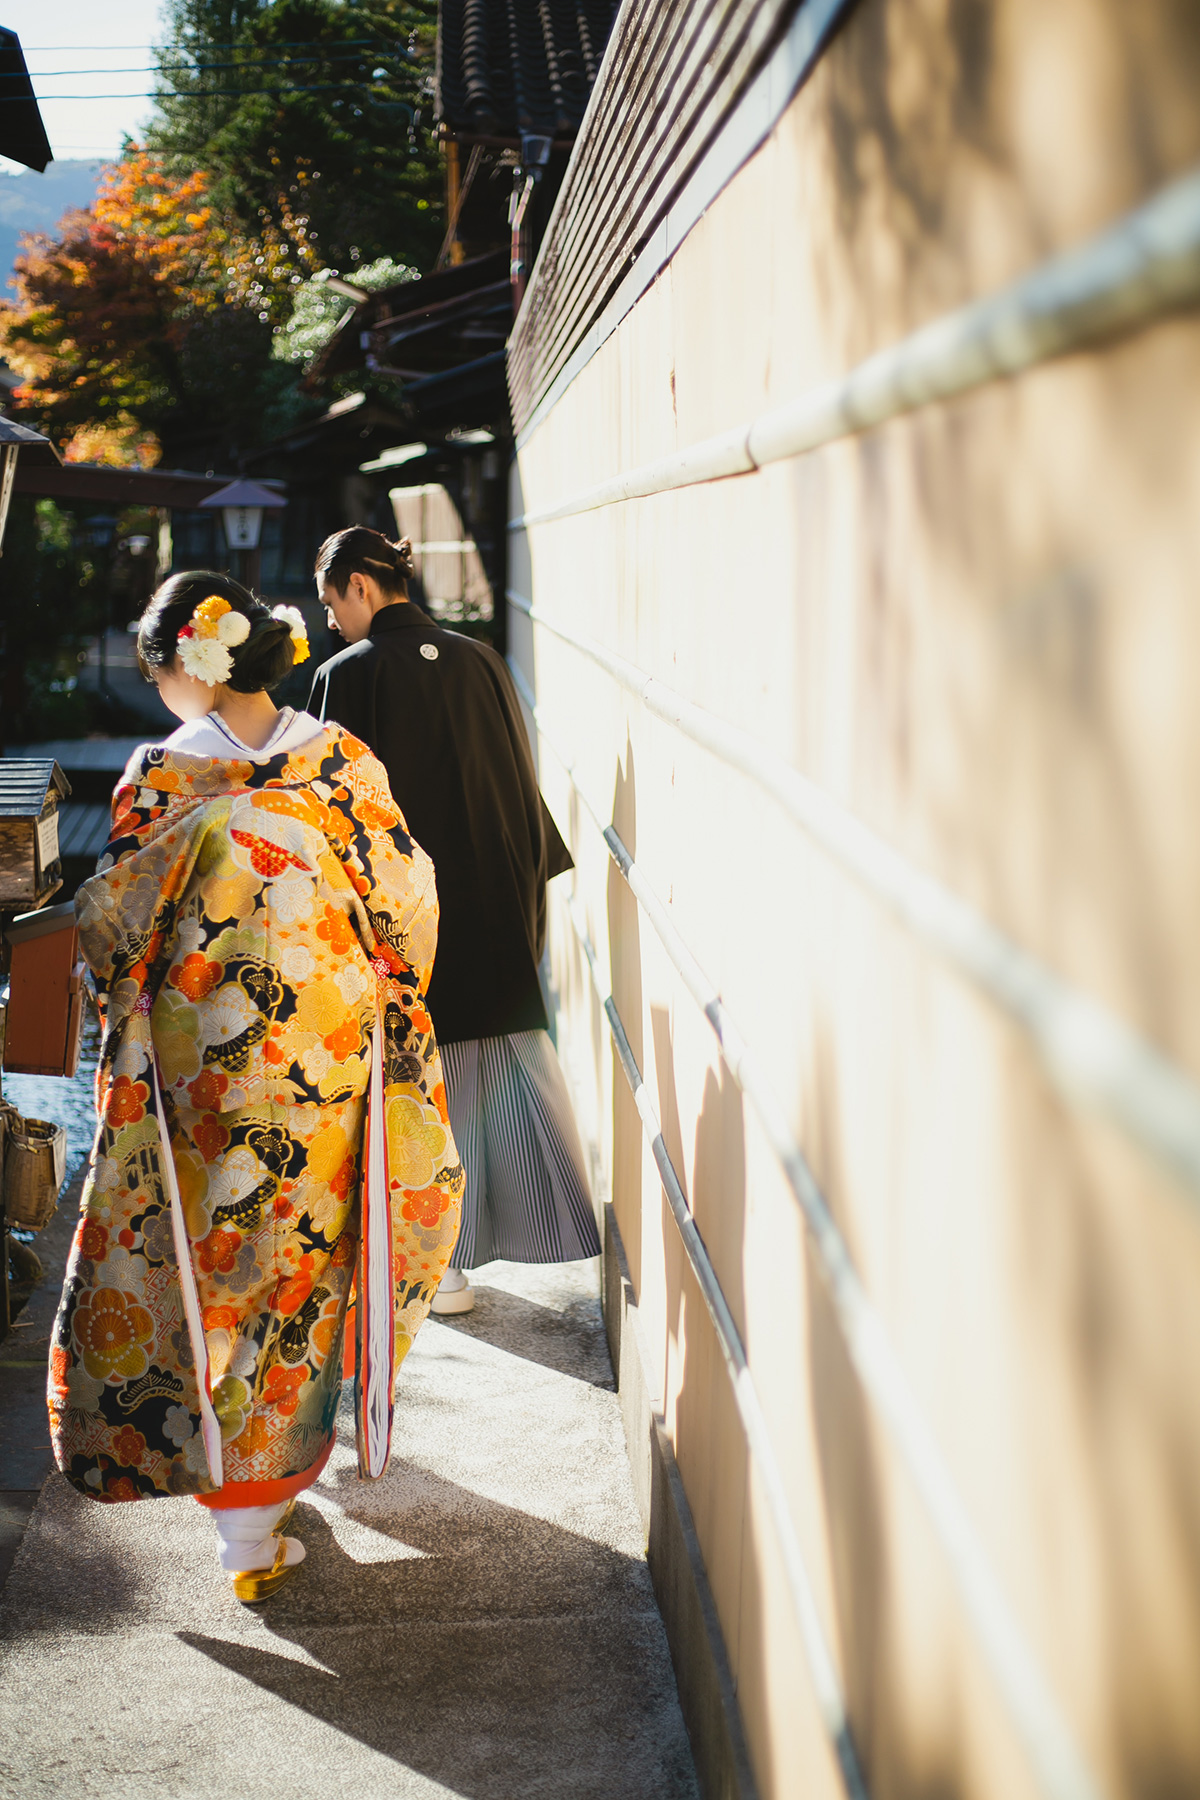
(245, 493)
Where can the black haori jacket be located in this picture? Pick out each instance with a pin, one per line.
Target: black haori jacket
(441, 713)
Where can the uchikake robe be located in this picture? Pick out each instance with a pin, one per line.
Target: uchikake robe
(261, 936)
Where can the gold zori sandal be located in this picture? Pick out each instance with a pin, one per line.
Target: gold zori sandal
(253, 1585)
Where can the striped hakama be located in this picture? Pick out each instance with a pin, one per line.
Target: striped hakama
(527, 1197)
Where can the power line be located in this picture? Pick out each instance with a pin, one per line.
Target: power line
(333, 87)
(297, 44)
(277, 62)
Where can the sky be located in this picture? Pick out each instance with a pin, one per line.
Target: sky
(96, 43)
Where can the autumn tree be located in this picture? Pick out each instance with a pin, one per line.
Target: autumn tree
(151, 318)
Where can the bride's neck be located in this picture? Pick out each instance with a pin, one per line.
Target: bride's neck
(251, 717)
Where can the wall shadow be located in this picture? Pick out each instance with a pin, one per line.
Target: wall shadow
(703, 1421)
(625, 961)
(850, 1470)
(570, 1340)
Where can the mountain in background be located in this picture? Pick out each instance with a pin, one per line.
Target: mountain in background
(30, 202)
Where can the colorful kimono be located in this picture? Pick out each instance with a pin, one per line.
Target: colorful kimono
(261, 936)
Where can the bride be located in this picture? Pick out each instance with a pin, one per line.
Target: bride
(273, 1123)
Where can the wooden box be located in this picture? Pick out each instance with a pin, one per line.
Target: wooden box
(45, 998)
(30, 865)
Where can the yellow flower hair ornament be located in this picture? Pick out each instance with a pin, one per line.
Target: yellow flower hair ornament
(205, 643)
(294, 619)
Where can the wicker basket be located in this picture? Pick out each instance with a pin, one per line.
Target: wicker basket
(35, 1162)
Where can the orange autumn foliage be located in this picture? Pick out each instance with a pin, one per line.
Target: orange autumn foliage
(143, 310)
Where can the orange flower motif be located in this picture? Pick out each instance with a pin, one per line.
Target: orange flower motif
(256, 1437)
(290, 1295)
(210, 1137)
(111, 1330)
(282, 1388)
(217, 1253)
(119, 1487)
(336, 930)
(126, 1102)
(425, 1206)
(377, 817)
(342, 1042)
(344, 1251)
(209, 1085)
(93, 1240)
(220, 1318)
(197, 975)
(129, 1446)
(341, 1183)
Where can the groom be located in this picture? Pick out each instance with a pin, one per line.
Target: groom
(441, 713)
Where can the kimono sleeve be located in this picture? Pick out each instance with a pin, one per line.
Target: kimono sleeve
(126, 910)
(397, 887)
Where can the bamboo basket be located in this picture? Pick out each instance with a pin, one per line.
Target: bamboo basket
(35, 1162)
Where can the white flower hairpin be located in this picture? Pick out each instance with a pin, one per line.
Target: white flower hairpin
(294, 619)
(205, 642)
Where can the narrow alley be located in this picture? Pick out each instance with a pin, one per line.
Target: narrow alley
(479, 1623)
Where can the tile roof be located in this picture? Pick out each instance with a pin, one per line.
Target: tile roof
(25, 785)
(507, 68)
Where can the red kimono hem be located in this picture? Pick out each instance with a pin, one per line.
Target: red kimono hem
(264, 1493)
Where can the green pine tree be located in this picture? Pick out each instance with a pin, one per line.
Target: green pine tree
(314, 120)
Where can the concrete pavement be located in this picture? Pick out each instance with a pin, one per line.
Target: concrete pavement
(480, 1623)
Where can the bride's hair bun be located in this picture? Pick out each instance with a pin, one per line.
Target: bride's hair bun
(260, 660)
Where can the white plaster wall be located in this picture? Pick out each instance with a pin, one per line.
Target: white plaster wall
(977, 628)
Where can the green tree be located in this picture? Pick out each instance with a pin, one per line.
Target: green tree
(313, 120)
(54, 597)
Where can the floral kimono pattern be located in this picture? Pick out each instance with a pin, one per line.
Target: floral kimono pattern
(249, 925)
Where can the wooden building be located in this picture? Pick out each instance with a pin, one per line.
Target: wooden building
(853, 550)
(513, 83)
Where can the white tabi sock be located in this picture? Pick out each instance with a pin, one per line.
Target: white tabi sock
(454, 1280)
(244, 1539)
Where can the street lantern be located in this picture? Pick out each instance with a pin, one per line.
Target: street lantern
(242, 505)
(243, 526)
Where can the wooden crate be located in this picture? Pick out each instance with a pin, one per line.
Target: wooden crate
(30, 864)
(45, 1001)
